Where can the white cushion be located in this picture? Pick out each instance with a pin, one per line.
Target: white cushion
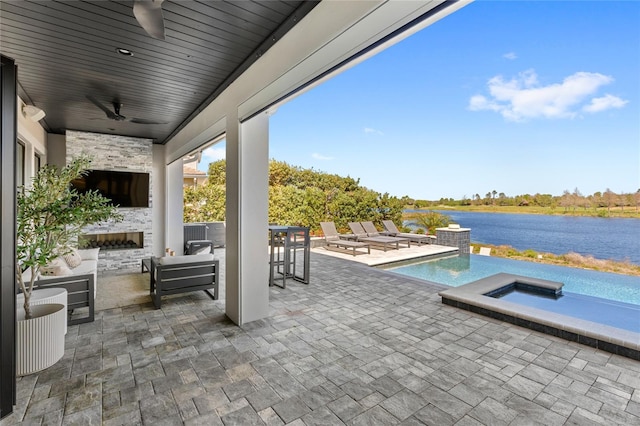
(73, 258)
(57, 268)
(26, 275)
(89, 267)
(86, 267)
(89, 254)
(175, 260)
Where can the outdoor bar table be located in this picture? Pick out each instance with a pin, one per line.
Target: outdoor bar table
(287, 244)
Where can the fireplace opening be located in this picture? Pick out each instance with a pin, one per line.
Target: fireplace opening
(112, 241)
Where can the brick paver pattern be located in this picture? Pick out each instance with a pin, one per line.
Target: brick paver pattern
(357, 346)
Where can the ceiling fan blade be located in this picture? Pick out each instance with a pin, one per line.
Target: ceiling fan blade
(149, 16)
(106, 110)
(145, 121)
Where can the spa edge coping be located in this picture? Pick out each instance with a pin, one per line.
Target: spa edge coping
(474, 295)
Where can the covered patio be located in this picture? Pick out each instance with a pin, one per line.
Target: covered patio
(356, 346)
(143, 103)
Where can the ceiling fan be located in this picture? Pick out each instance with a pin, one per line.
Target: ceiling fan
(149, 16)
(115, 114)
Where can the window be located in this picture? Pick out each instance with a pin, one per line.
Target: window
(20, 164)
(37, 163)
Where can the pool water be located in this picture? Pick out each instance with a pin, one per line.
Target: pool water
(460, 270)
(595, 309)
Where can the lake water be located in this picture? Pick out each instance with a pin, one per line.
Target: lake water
(603, 238)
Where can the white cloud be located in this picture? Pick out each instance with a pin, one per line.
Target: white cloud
(321, 157)
(370, 130)
(604, 103)
(511, 56)
(212, 154)
(523, 97)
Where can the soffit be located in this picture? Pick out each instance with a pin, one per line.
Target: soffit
(66, 51)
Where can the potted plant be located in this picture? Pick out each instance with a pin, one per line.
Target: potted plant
(50, 216)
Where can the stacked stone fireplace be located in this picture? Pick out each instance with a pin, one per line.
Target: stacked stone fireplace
(124, 244)
(112, 241)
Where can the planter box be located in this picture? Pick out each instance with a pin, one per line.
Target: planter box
(39, 340)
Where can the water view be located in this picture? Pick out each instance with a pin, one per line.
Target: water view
(604, 238)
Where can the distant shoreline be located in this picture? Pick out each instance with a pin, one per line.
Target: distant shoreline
(628, 213)
(573, 260)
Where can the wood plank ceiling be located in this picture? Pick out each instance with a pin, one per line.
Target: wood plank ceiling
(66, 51)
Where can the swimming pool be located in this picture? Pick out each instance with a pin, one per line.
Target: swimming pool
(459, 270)
(596, 309)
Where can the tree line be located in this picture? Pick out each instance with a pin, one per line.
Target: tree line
(297, 196)
(569, 200)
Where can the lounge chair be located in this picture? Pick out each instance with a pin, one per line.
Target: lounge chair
(485, 251)
(332, 238)
(393, 230)
(372, 231)
(379, 240)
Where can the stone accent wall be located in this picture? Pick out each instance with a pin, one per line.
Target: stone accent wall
(454, 237)
(121, 153)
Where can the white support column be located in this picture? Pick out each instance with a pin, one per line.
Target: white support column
(158, 199)
(247, 270)
(174, 207)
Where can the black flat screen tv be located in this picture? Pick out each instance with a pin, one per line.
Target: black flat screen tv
(124, 189)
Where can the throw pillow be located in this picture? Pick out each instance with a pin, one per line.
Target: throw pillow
(73, 258)
(58, 267)
(89, 254)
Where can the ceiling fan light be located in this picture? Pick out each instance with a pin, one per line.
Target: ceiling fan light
(123, 51)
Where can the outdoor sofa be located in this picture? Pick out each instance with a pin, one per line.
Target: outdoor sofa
(77, 273)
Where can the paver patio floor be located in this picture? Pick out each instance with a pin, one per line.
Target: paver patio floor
(356, 346)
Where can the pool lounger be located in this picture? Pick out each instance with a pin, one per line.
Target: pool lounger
(346, 244)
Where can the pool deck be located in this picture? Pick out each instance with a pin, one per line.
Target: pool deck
(356, 346)
(380, 257)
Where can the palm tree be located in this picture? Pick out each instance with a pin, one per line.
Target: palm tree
(430, 220)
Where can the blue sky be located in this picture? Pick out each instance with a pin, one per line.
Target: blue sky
(517, 97)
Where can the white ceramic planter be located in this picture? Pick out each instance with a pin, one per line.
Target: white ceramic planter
(39, 340)
(45, 296)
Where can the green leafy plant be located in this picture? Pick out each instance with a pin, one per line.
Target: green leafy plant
(430, 220)
(297, 196)
(51, 215)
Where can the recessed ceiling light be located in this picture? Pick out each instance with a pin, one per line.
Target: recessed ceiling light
(125, 52)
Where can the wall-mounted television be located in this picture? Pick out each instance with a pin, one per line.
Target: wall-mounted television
(125, 189)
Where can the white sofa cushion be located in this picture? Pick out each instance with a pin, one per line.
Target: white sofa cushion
(176, 260)
(86, 267)
(89, 254)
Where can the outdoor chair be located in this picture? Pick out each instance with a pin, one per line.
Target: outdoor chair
(332, 238)
(378, 241)
(183, 274)
(372, 231)
(485, 251)
(393, 230)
